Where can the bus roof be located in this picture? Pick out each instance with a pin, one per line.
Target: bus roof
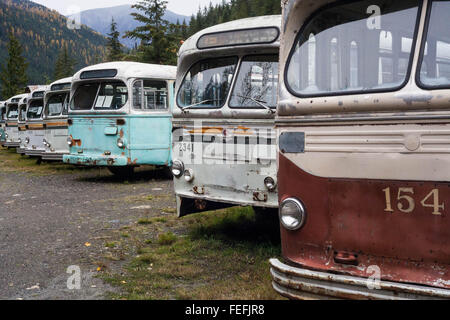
(127, 70)
(19, 96)
(241, 24)
(61, 81)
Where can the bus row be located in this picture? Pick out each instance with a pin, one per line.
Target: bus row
(335, 114)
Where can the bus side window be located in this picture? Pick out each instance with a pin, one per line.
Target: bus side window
(155, 95)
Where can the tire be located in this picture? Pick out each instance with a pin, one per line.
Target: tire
(125, 173)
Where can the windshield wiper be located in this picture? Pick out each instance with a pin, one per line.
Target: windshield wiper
(259, 102)
(196, 104)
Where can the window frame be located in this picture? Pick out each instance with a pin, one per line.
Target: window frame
(423, 47)
(238, 70)
(200, 107)
(350, 92)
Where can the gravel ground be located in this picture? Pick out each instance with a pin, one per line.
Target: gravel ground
(49, 222)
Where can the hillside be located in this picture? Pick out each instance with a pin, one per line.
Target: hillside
(100, 20)
(42, 33)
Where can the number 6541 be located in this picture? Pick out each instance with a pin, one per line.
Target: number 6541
(406, 203)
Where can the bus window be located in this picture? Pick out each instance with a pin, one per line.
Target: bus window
(325, 59)
(137, 95)
(23, 114)
(435, 69)
(207, 83)
(155, 95)
(386, 61)
(84, 97)
(35, 109)
(56, 104)
(354, 65)
(13, 112)
(112, 96)
(257, 82)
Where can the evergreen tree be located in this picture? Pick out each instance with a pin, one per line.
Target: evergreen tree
(13, 76)
(156, 45)
(64, 65)
(113, 45)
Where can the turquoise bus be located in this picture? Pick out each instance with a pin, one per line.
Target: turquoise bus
(120, 116)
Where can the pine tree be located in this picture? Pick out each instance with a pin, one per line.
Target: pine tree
(153, 32)
(13, 76)
(64, 65)
(113, 45)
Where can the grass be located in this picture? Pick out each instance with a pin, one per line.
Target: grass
(215, 255)
(11, 161)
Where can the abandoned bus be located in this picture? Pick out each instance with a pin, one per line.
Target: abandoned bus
(224, 143)
(56, 103)
(364, 130)
(21, 124)
(34, 145)
(2, 121)
(120, 116)
(11, 125)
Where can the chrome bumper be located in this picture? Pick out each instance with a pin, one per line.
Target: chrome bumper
(303, 284)
(53, 156)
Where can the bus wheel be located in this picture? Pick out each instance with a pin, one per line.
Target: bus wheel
(125, 173)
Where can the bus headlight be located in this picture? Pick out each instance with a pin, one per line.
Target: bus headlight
(20, 140)
(188, 175)
(270, 183)
(120, 143)
(292, 214)
(27, 140)
(177, 168)
(44, 142)
(69, 141)
(6, 136)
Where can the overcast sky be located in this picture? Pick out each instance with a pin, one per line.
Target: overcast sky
(184, 7)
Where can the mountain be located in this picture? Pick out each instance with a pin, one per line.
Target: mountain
(100, 20)
(42, 33)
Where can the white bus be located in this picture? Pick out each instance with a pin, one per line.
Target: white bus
(56, 102)
(12, 115)
(223, 140)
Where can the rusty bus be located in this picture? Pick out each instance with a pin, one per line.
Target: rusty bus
(11, 134)
(56, 102)
(363, 126)
(120, 116)
(34, 141)
(223, 141)
(21, 124)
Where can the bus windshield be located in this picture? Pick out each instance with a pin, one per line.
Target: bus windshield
(435, 69)
(35, 109)
(56, 104)
(354, 47)
(100, 96)
(207, 83)
(257, 82)
(13, 112)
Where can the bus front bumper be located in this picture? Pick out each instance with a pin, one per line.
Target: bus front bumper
(20, 150)
(10, 144)
(53, 156)
(100, 161)
(304, 284)
(33, 153)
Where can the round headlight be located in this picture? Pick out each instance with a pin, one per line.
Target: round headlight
(69, 141)
(292, 214)
(270, 183)
(6, 135)
(177, 168)
(27, 140)
(120, 143)
(20, 140)
(188, 175)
